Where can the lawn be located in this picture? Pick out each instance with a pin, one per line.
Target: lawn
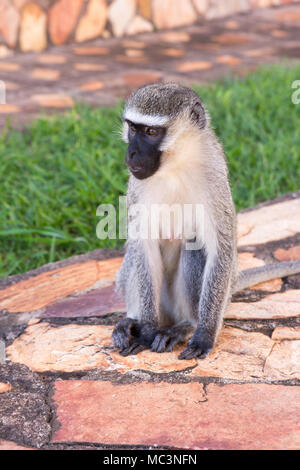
(56, 172)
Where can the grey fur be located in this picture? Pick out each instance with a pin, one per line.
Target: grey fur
(189, 290)
(165, 99)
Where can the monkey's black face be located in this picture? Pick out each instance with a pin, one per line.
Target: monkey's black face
(143, 154)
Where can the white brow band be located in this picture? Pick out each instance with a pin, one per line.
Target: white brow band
(138, 118)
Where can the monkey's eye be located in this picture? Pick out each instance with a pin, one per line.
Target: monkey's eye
(151, 131)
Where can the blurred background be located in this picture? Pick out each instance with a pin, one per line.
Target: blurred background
(67, 65)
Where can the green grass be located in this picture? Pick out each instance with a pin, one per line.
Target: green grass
(56, 172)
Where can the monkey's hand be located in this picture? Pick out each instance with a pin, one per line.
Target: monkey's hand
(199, 346)
(167, 338)
(133, 337)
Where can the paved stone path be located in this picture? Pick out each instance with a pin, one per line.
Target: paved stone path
(101, 71)
(64, 386)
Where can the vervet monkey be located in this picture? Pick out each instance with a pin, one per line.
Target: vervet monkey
(172, 292)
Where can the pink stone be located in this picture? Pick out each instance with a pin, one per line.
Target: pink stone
(33, 35)
(120, 14)
(62, 18)
(248, 416)
(139, 25)
(280, 305)
(93, 22)
(271, 222)
(291, 254)
(9, 22)
(173, 13)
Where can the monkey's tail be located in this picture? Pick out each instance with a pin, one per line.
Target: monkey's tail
(253, 276)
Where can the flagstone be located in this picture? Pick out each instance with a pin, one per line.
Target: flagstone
(131, 60)
(278, 33)
(53, 100)
(9, 445)
(284, 361)
(9, 22)
(130, 43)
(248, 416)
(291, 254)
(92, 86)
(93, 22)
(51, 59)
(271, 223)
(91, 50)
(120, 13)
(201, 6)
(5, 51)
(175, 36)
(171, 52)
(286, 332)
(261, 52)
(33, 34)
(231, 38)
(139, 25)
(45, 74)
(237, 355)
(9, 108)
(134, 52)
(4, 387)
(192, 66)
(172, 13)
(153, 362)
(140, 79)
(85, 67)
(97, 302)
(279, 305)
(46, 288)
(66, 348)
(228, 60)
(231, 24)
(62, 18)
(9, 66)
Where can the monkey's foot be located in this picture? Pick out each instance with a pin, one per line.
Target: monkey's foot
(133, 337)
(199, 346)
(167, 338)
(124, 332)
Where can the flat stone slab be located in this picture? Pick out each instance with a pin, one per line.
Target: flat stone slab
(238, 354)
(185, 416)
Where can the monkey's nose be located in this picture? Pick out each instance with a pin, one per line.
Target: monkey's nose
(132, 154)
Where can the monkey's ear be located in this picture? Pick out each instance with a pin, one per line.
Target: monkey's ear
(198, 115)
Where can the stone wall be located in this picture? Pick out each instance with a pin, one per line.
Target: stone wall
(30, 25)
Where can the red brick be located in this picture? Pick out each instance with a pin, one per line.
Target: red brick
(248, 416)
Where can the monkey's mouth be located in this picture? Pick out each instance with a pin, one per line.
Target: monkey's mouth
(136, 169)
(139, 172)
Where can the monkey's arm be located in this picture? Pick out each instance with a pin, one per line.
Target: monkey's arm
(253, 276)
(141, 288)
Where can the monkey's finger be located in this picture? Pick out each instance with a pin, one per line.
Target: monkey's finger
(159, 343)
(134, 348)
(190, 353)
(172, 344)
(156, 342)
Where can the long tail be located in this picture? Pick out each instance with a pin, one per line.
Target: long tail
(253, 276)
